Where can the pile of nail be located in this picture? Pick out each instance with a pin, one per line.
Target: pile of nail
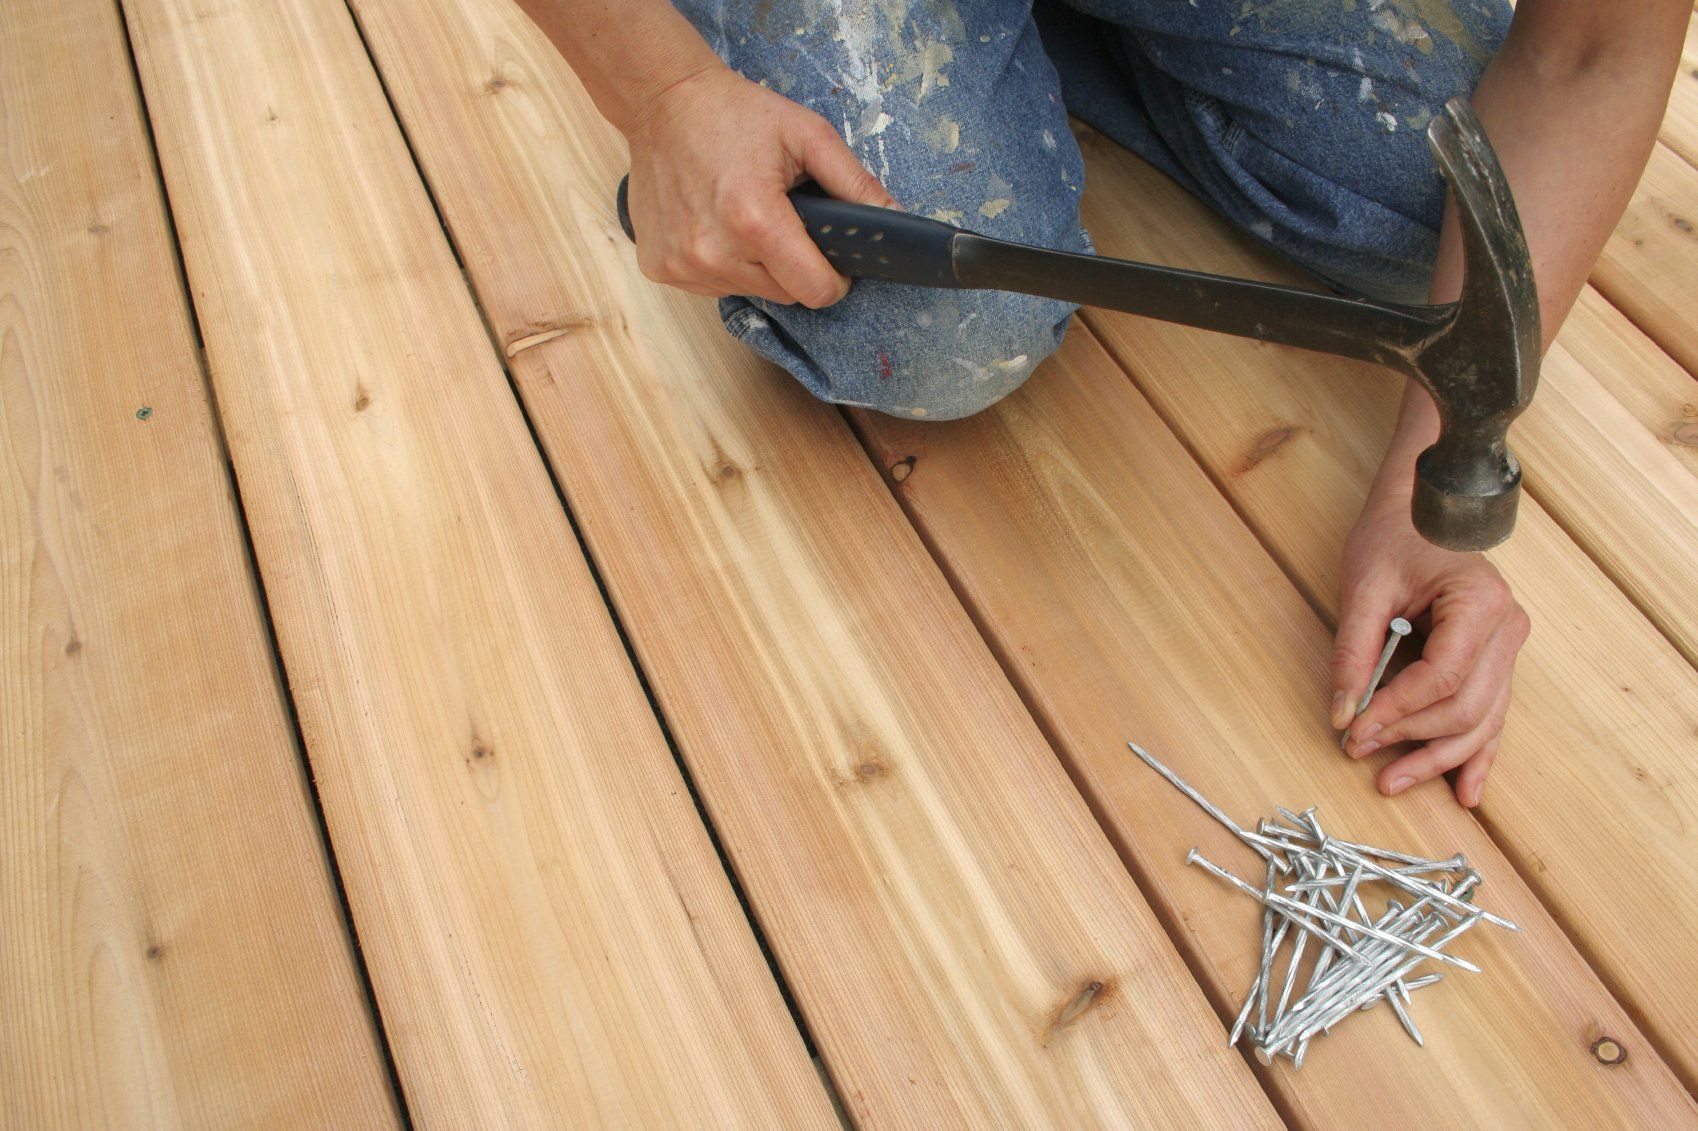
(1317, 890)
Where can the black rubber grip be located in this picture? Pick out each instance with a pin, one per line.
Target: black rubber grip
(862, 241)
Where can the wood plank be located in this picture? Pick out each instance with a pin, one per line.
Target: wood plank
(1129, 601)
(1636, 373)
(174, 953)
(931, 882)
(1680, 124)
(1604, 732)
(551, 937)
(1649, 266)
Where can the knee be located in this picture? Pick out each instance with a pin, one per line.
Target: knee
(968, 351)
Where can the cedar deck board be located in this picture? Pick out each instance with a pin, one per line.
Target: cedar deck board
(1129, 601)
(549, 931)
(1604, 733)
(1649, 266)
(1680, 124)
(929, 879)
(174, 954)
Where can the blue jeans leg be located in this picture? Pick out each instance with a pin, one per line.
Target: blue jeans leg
(959, 113)
(1302, 122)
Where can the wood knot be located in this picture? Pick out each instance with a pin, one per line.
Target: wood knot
(871, 768)
(729, 470)
(73, 646)
(1681, 224)
(1267, 444)
(1608, 1050)
(902, 468)
(155, 951)
(1092, 994)
(362, 399)
(1685, 433)
(96, 228)
(481, 750)
(496, 85)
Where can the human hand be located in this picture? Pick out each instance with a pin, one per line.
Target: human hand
(712, 158)
(1453, 699)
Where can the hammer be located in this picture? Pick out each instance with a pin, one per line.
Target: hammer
(1478, 357)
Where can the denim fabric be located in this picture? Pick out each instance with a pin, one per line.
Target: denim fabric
(1301, 121)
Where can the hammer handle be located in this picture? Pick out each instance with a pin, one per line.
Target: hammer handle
(861, 240)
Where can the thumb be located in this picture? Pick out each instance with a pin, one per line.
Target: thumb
(839, 172)
(1363, 613)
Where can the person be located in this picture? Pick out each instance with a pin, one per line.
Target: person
(1300, 121)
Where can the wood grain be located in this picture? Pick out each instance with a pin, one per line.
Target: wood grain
(552, 939)
(1604, 732)
(931, 882)
(171, 949)
(1649, 266)
(1640, 377)
(1680, 124)
(1129, 601)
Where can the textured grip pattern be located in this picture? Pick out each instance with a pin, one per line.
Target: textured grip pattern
(862, 241)
(865, 242)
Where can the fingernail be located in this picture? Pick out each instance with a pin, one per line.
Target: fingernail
(1398, 785)
(1363, 749)
(1474, 794)
(1340, 710)
(1370, 731)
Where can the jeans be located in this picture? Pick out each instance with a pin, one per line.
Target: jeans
(1300, 121)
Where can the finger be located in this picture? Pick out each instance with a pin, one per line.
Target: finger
(1442, 754)
(834, 165)
(1461, 712)
(796, 265)
(1471, 779)
(753, 279)
(1364, 611)
(1463, 624)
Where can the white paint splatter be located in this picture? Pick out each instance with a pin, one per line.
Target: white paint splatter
(1048, 140)
(1388, 121)
(1262, 228)
(947, 215)
(917, 411)
(991, 209)
(883, 120)
(945, 134)
(1365, 92)
(976, 372)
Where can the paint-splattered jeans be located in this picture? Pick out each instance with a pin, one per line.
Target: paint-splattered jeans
(1301, 121)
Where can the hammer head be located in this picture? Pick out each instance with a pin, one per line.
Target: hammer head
(1482, 365)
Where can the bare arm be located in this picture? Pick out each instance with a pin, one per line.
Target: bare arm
(1572, 103)
(712, 154)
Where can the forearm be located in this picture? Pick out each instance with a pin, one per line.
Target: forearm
(625, 52)
(1571, 103)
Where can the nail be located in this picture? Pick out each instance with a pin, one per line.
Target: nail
(1398, 785)
(1340, 710)
(1397, 630)
(1366, 748)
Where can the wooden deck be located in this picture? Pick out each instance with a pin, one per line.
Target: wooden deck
(444, 679)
